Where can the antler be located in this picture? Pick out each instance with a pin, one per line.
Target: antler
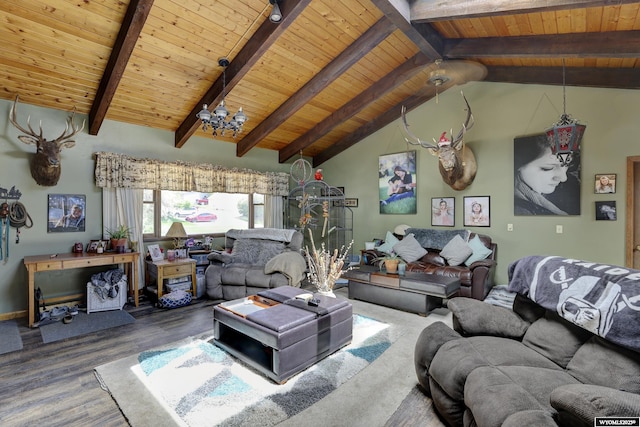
(74, 129)
(31, 137)
(414, 139)
(465, 127)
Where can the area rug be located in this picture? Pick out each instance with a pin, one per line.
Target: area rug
(196, 383)
(83, 324)
(10, 334)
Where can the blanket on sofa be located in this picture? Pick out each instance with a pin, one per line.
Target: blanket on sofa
(277, 234)
(291, 264)
(600, 298)
(430, 238)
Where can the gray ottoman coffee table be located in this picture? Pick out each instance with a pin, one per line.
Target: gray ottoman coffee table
(281, 335)
(414, 292)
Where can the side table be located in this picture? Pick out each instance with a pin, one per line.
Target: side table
(165, 269)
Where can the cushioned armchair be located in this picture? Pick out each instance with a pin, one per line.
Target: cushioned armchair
(255, 260)
(531, 366)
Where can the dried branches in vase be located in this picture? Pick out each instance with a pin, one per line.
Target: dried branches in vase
(325, 267)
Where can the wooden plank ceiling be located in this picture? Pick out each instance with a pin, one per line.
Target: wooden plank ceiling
(328, 75)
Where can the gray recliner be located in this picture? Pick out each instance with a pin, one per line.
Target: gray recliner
(255, 260)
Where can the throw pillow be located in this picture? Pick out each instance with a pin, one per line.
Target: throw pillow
(480, 251)
(409, 249)
(456, 251)
(389, 242)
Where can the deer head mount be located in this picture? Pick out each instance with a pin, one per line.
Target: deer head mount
(458, 165)
(45, 164)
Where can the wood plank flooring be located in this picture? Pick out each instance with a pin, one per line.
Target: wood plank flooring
(54, 384)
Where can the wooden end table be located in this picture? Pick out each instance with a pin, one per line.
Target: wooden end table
(166, 269)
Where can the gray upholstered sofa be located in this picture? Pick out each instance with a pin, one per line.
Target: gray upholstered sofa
(255, 260)
(568, 351)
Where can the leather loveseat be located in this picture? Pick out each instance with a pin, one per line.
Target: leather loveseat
(566, 353)
(476, 279)
(255, 260)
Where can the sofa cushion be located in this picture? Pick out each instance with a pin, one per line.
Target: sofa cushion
(255, 251)
(480, 251)
(493, 393)
(409, 249)
(546, 334)
(456, 251)
(600, 362)
(458, 358)
(433, 258)
(389, 242)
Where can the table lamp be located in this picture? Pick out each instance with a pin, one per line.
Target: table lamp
(177, 232)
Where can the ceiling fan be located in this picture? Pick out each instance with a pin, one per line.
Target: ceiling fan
(445, 74)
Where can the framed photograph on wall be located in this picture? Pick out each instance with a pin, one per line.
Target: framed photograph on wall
(605, 183)
(443, 211)
(477, 211)
(66, 213)
(397, 183)
(606, 211)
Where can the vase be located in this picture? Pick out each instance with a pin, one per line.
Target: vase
(391, 265)
(327, 293)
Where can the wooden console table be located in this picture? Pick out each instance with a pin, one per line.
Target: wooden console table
(39, 263)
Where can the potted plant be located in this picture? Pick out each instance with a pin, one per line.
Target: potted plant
(119, 236)
(390, 261)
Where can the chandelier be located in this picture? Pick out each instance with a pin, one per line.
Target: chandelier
(565, 135)
(217, 120)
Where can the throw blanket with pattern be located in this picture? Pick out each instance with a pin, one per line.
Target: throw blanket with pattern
(277, 234)
(600, 298)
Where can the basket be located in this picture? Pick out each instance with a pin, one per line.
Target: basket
(96, 303)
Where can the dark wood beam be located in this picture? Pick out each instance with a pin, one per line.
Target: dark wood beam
(352, 54)
(617, 78)
(614, 44)
(264, 37)
(134, 19)
(423, 11)
(371, 127)
(424, 36)
(389, 82)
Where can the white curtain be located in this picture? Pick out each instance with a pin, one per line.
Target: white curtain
(123, 206)
(273, 212)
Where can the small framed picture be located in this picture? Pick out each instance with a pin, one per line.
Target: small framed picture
(351, 202)
(92, 247)
(66, 213)
(155, 252)
(477, 211)
(443, 211)
(606, 211)
(605, 183)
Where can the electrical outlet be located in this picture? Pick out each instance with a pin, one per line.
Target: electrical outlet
(559, 229)
(509, 227)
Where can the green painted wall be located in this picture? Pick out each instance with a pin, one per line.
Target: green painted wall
(78, 178)
(502, 112)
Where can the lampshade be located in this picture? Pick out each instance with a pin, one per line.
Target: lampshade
(177, 232)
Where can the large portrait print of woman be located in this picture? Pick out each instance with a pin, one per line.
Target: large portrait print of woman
(542, 185)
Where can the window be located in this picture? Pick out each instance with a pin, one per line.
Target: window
(200, 213)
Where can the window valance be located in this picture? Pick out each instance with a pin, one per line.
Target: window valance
(121, 171)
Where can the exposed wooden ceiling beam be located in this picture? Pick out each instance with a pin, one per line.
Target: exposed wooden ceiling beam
(423, 11)
(134, 19)
(371, 127)
(618, 78)
(352, 54)
(253, 50)
(424, 36)
(616, 44)
(392, 80)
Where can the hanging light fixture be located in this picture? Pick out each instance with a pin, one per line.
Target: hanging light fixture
(275, 16)
(217, 120)
(565, 135)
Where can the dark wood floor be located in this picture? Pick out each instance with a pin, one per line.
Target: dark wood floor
(54, 384)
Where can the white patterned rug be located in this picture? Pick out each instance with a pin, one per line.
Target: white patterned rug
(198, 384)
